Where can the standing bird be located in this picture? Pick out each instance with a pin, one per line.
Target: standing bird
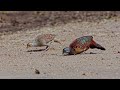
(42, 40)
(80, 45)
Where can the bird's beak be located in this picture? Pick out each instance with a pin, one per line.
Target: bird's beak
(65, 54)
(28, 46)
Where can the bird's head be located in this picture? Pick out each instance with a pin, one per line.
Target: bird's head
(66, 51)
(29, 45)
(32, 44)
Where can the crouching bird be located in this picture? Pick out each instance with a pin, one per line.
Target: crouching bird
(80, 45)
(42, 40)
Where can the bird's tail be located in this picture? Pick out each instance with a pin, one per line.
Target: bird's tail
(96, 45)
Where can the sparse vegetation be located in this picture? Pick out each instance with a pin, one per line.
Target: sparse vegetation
(20, 20)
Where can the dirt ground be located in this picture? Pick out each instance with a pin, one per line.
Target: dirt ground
(17, 62)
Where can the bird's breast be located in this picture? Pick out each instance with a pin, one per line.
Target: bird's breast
(79, 47)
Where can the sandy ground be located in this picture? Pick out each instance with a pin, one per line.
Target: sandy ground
(17, 62)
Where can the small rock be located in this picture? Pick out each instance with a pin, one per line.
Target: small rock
(118, 51)
(116, 57)
(112, 32)
(102, 59)
(83, 74)
(49, 64)
(96, 73)
(37, 71)
(44, 73)
(92, 53)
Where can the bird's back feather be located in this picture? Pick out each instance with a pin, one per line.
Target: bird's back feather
(81, 44)
(45, 38)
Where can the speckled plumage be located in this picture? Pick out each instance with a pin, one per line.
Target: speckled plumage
(42, 40)
(82, 44)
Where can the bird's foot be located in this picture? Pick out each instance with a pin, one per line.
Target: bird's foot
(57, 41)
(47, 47)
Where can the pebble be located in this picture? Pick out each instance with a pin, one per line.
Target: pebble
(37, 71)
(83, 74)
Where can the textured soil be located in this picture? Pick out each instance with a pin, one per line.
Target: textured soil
(17, 62)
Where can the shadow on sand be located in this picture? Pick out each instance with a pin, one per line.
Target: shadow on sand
(36, 50)
(91, 53)
(80, 54)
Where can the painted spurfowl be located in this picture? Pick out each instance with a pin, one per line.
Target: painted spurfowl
(80, 45)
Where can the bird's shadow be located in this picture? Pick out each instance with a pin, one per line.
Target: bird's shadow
(36, 50)
(91, 53)
(82, 54)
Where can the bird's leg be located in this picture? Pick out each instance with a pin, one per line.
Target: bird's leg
(47, 47)
(86, 49)
(57, 41)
